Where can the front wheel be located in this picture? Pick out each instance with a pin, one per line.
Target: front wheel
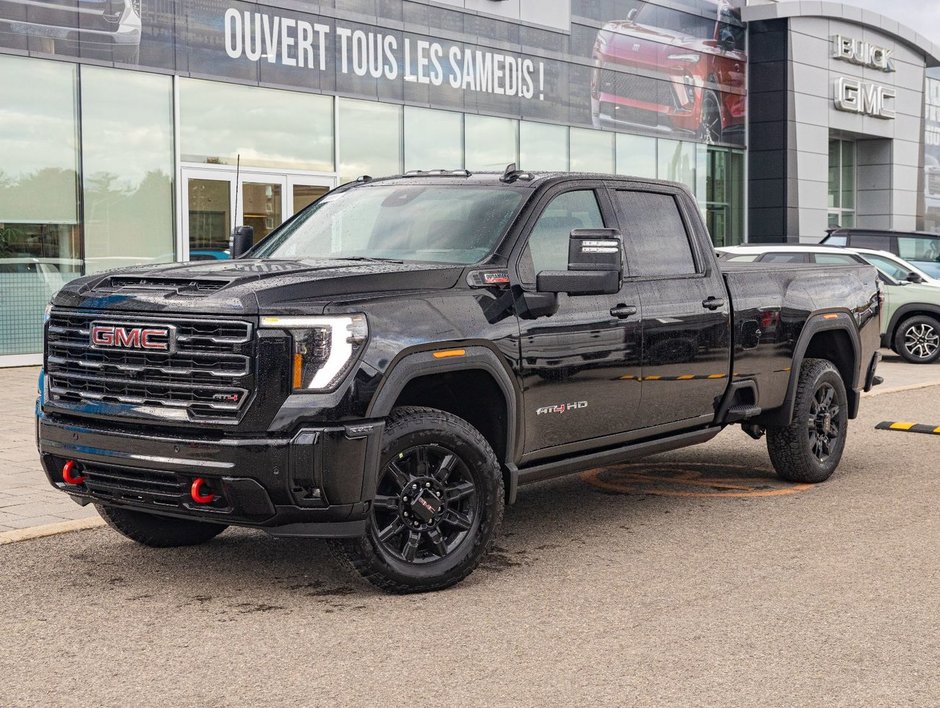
(437, 505)
(810, 447)
(917, 340)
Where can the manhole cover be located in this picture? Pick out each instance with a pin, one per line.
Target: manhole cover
(690, 479)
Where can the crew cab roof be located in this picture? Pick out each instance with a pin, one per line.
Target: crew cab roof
(520, 178)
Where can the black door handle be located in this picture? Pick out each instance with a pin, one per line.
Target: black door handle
(623, 311)
(713, 303)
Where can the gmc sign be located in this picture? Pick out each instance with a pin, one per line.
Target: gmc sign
(105, 335)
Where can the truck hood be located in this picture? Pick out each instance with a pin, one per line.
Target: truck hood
(249, 286)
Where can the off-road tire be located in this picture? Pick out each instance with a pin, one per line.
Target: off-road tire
(413, 428)
(925, 334)
(791, 447)
(158, 531)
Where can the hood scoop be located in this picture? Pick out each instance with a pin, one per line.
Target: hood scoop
(173, 286)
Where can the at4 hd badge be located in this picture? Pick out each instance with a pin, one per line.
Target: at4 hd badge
(562, 408)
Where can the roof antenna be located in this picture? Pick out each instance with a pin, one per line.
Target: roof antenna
(509, 174)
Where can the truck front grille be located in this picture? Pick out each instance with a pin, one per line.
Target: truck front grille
(207, 374)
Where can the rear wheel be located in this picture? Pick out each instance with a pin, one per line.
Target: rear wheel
(437, 506)
(810, 447)
(917, 340)
(158, 531)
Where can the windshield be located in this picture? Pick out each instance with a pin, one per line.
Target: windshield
(444, 224)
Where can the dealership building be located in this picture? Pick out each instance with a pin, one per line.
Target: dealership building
(142, 131)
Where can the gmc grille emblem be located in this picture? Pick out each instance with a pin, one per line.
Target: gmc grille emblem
(104, 335)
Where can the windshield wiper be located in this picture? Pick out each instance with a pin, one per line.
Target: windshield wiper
(370, 259)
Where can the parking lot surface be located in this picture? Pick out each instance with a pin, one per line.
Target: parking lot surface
(693, 578)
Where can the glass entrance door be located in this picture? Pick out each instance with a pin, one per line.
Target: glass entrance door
(215, 201)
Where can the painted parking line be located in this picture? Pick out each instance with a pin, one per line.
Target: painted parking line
(907, 427)
(690, 479)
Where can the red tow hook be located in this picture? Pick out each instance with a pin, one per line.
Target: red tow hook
(196, 492)
(69, 476)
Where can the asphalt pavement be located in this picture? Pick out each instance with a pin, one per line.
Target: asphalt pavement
(692, 578)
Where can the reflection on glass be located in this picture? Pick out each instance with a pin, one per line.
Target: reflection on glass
(369, 139)
(592, 150)
(636, 155)
(267, 128)
(40, 240)
(543, 147)
(262, 208)
(38, 141)
(433, 139)
(210, 217)
(305, 195)
(128, 202)
(677, 162)
(491, 143)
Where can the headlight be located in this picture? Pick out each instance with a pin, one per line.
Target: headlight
(324, 348)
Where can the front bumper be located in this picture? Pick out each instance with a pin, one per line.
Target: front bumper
(316, 483)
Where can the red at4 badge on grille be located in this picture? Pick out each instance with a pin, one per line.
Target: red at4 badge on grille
(109, 335)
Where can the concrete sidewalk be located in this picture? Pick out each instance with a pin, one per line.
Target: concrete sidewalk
(27, 500)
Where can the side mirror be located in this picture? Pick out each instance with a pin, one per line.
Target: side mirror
(913, 277)
(595, 265)
(243, 238)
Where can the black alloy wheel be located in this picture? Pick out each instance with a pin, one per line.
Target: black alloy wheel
(426, 504)
(825, 422)
(711, 131)
(810, 447)
(437, 506)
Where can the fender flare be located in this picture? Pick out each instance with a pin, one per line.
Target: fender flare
(815, 325)
(902, 313)
(409, 366)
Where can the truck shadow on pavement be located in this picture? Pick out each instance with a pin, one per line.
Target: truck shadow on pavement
(244, 571)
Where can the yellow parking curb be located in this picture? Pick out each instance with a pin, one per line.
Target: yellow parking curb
(50, 530)
(907, 427)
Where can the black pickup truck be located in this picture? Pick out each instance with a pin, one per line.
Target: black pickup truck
(390, 365)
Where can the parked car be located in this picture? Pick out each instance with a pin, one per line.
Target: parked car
(107, 29)
(390, 380)
(671, 68)
(921, 249)
(896, 267)
(910, 322)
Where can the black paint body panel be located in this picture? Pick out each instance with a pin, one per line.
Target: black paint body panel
(569, 386)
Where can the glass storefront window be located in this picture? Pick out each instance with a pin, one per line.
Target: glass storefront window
(677, 162)
(370, 137)
(433, 139)
(592, 150)
(265, 127)
(636, 155)
(842, 161)
(543, 147)
(127, 156)
(491, 143)
(40, 240)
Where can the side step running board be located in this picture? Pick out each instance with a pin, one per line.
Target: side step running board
(625, 453)
(738, 413)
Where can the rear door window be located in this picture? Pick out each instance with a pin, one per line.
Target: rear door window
(784, 258)
(877, 242)
(654, 235)
(835, 259)
(913, 248)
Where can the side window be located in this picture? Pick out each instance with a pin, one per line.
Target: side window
(654, 235)
(548, 242)
(873, 241)
(887, 266)
(918, 249)
(835, 259)
(783, 258)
